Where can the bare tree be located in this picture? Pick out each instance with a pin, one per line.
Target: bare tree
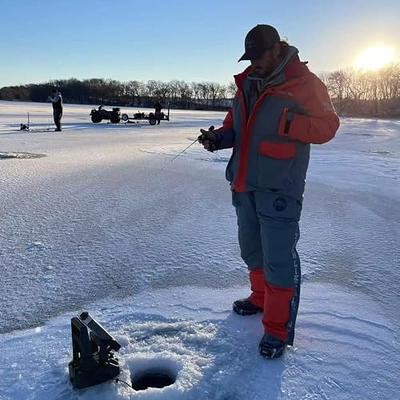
(231, 90)
(337, 82)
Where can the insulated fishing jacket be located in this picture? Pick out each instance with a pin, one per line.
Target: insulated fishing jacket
(270, 130)
(57, 102)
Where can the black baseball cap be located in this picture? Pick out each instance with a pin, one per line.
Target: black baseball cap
(259, 39)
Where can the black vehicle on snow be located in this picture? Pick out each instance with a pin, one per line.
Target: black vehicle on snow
(98, 115)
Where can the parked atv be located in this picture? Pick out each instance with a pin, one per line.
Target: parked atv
(98, 115)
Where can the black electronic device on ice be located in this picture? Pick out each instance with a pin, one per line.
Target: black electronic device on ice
(93, 361)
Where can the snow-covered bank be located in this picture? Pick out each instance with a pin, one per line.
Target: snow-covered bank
(106, 222)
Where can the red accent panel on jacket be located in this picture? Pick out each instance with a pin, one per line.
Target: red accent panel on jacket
(277, 310)
(228, 121)
(240, 183)
(280, 151)
(320, 122)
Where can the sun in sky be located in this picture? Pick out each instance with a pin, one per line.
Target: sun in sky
(375, 57)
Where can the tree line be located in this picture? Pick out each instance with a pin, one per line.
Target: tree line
(353, 92)
(365, 93)
(179, 94)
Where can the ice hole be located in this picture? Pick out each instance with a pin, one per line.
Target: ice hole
(152, 377)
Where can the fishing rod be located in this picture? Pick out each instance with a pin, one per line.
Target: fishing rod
(191, 144)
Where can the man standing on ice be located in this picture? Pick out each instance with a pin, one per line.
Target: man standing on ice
(57, 102)
(280, 108)
(157, 113)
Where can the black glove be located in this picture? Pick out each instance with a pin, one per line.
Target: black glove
(209, 139)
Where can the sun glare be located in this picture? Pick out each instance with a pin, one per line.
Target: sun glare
(375, 58)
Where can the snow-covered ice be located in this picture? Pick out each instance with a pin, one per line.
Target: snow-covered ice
(104, 221)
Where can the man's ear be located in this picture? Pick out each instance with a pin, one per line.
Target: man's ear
(277, 50)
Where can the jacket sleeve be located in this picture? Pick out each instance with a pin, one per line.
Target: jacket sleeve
(225, 134)
(317, 123)
(54, 98)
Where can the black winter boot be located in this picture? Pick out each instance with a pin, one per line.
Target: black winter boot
(245, 307)
(271, 347)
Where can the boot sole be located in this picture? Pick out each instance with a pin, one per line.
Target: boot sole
(276, 353)
(245, 313)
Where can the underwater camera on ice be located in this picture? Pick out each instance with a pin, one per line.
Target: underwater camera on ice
(93, 361)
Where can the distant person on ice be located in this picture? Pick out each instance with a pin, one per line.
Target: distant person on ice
(57, 102)
(280, 108)
(158, 114)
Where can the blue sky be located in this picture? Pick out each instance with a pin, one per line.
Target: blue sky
(177, 39)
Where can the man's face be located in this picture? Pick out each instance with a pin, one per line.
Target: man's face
(266, 64)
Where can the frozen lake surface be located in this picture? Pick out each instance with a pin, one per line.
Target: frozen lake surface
(97, 217)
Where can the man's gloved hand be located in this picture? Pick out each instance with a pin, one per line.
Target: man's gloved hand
(209, 139)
